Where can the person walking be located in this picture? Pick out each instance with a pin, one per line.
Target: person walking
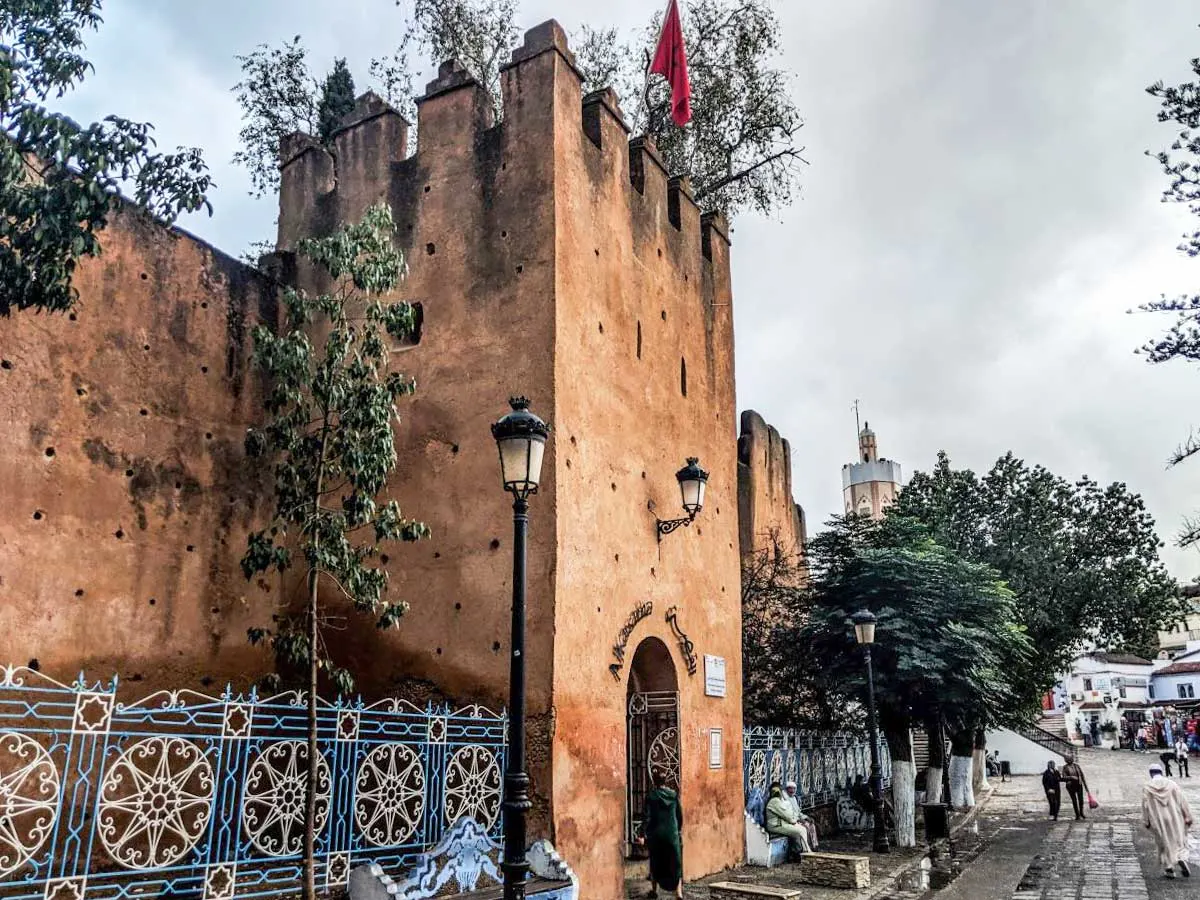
(1051, 785)
(1181, 755)
(1166, 813)
(662, 822)
(1076, 782)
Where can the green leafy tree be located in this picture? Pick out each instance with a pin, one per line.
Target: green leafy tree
(946, 637)
(59, 179)
(741, 147)
(331, 408)
(1180, 106)
(1081, 558)
(336, 101)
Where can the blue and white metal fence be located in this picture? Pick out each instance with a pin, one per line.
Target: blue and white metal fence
(186, 794)
(823, 764)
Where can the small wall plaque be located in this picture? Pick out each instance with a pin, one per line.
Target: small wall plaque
(714, 676)
(716, 750)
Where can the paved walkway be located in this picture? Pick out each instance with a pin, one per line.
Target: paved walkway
(1012, 851)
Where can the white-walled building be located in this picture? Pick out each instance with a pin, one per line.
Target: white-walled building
(1103, 688)
(1177, 681)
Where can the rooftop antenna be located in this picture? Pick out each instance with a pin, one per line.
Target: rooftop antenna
(857, 427)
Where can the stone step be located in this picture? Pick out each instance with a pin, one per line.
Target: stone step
(732, 889)
(835, 870)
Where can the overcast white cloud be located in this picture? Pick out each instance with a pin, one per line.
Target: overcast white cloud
(977, 218)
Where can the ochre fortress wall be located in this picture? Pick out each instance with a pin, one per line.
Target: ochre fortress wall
(553, 257)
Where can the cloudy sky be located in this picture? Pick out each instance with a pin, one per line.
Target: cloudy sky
(976, 219)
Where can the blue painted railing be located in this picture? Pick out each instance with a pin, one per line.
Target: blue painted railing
(186, 794)
(823, 765)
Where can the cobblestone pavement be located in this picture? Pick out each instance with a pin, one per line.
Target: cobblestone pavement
(1012, 851)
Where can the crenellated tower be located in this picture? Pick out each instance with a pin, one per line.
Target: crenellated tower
(557, 258)
(870, 485)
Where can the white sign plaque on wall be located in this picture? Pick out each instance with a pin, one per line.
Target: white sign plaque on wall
(716, 758)
(714, 676)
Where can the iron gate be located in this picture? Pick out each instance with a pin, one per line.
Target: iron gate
(653, 740)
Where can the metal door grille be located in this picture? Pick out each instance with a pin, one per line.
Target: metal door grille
(653, 741)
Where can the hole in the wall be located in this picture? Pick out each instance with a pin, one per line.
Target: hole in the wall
(639, 340)
(664, 315)
(503, 166)
(72, 317)
(504, 234)
(136, 676)
(683, 376)
(430, 249)
(454, 448)
(458, 606)
(191, 548)
(597, 251)
(718, 510)
(152, 601)
(439, 651)
(383, 558)
(179, 485)
(616, 557)
(34, 664)
(437, 556)
(426, 189)
(613, 486)
(214, 610)
(37, 515)
(5, 364)
(145, 346)
(78, 592)
(597, 609)
(143, 411)
(722, 589)
(204, 305)
(520, 269)
(660, 252)
(208, 435)
(495, 646)
(643, 476)
(601, 327)
(129, 473)
(568, 464)
(206, 681)
(204, 370)
(495, 544)
(143, 276)
(119, 533)
(80, 392)
(652, 571)
(572, 440)
(50, 452)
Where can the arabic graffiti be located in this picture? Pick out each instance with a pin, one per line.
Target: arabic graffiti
(686, 647)
(639, 613)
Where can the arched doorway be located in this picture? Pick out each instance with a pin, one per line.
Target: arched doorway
(652, 729)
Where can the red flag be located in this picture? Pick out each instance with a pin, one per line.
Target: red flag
(670, 61)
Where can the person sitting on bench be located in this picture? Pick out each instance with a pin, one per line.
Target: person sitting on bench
(782, 822)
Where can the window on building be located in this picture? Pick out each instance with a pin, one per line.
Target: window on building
(1087, 684)
(1121, 690)
(1150, 692)
(1186, 691)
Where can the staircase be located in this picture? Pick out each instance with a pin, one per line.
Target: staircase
(1055, 743)
(1055, 723)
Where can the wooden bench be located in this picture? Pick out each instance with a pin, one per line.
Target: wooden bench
(468, 854)
(835, 870)
(732, 889)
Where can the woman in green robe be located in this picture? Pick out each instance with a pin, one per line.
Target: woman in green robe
(661, 823)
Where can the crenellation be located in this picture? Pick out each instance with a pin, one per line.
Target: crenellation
(682, 211)
(372, 137)
(307, 174)
(454, 109)
(600, 107)
(710, 223)
(543, 38)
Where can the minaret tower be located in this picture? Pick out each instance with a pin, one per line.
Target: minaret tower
(870, 485)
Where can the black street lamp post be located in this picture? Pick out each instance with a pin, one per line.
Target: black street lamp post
(864, 632)
(521, 439)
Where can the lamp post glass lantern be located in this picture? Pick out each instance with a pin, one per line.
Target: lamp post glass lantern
(521, 439)
(693, 481)
(864, 633)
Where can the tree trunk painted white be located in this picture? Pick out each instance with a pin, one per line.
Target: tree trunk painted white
(979, 782)
(962, 796)
(904, 781)
(933, 784)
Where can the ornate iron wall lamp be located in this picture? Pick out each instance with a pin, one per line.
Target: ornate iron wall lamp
(692, 482)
